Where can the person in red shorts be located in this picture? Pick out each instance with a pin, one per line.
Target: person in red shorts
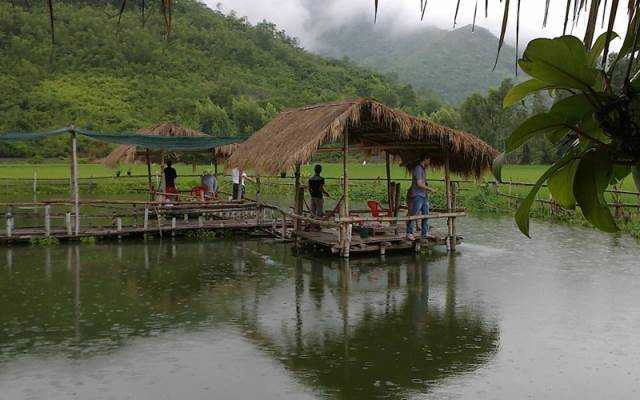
(170, 176)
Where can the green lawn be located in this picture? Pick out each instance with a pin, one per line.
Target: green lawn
(516, 173)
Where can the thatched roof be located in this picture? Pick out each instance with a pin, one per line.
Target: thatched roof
(128, 154)
(294, 135)
(224, 152)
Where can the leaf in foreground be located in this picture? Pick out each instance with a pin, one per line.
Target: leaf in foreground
(592, 179)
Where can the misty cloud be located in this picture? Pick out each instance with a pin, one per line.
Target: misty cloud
(307, 19)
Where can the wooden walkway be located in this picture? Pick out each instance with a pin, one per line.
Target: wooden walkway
(182, 228)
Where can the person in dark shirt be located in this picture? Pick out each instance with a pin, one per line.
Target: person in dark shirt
(170, 176)
(418, 197)
(317, 192)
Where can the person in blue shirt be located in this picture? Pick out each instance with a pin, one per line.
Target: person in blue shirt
(419, 197)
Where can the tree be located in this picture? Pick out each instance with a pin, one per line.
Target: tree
(214, 120)
(446, 116)
(485, 117)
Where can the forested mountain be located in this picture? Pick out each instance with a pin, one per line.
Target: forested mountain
(452, 63)
(217, 73)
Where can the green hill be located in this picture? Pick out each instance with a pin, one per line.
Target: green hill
(452, 63)
(217, 73)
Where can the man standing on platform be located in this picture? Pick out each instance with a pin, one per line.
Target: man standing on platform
(317, 192)
(170, 176)
(418, 198)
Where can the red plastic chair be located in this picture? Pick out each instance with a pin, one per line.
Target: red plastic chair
(376, 208)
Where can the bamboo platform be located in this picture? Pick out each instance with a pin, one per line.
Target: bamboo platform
(122, 219)
(23, 235)
(383, 243)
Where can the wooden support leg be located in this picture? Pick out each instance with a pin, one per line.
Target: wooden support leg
(68, 225)
(9, 219)
(119, 226)
(146, 218)
(47, 220)
(173, 226)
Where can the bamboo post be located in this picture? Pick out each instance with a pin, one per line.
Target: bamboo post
(67, 223)
(173, 226)
(47, 220)
(398, 193)
(35, 182)
(345, 228)
(258, 207)
(119, 226)
(296, 198)
(75, 195)
(451, 240)
(388, 168)
(9, 218)
(146, 218)
(148, 159)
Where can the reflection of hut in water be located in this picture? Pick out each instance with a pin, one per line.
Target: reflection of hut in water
(295, 135)
(360, 340)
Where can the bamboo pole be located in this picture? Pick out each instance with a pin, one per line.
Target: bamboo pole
(451, 240)
(67, 223)
(345, 228)
(388, 167)
(296, 198)
(9, 218)
(75, 195)
(47, 220)
(148, 159)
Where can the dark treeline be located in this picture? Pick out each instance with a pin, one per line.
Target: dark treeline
(217, 73)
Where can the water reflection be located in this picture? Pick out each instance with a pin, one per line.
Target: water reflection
(377, 333)
(353, 329)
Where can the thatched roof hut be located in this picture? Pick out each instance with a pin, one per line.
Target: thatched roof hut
(294, 135)
(128, 154)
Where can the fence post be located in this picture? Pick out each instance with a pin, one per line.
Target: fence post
(173, 226)
(146, 218)
(9, 218)
(200, 221)
(47, 220)
(35, 182)
(67, 222)
(119, 226)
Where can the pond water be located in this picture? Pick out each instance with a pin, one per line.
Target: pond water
(554, 317)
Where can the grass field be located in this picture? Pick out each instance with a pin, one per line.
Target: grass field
(516, 173)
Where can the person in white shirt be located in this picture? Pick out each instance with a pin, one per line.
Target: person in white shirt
(238, 177)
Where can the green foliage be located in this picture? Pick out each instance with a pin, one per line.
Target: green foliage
(44, 241)
(201, 234)
(218, 73)
(593, 122)
(447, 116)
(88, 240)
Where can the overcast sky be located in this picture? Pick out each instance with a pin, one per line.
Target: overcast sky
(304, 19)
